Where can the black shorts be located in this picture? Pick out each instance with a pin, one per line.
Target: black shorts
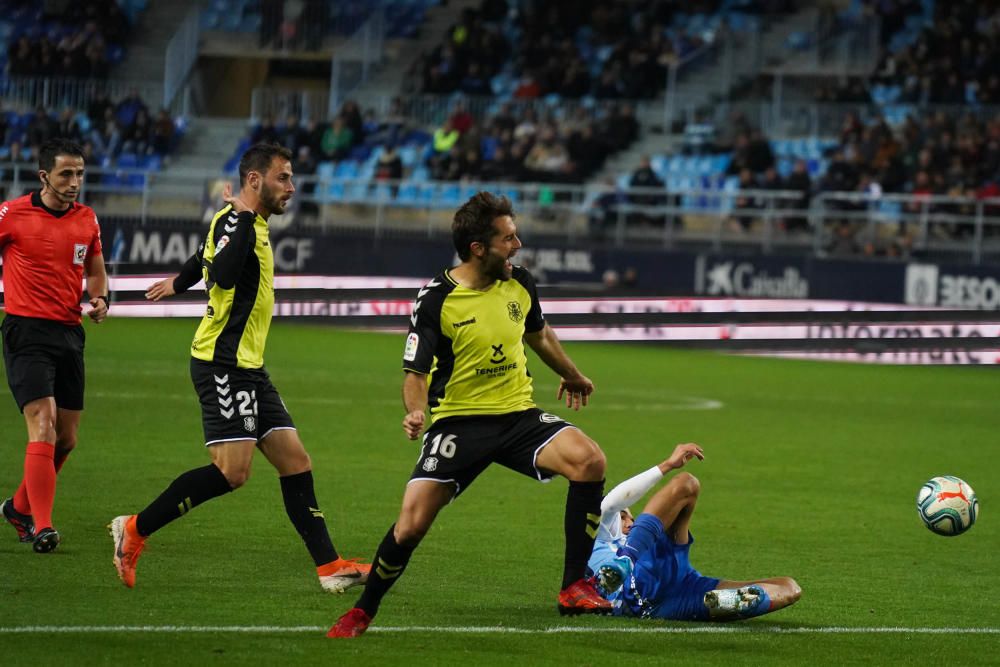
(237, 403)
(43, 358)
(457, 449)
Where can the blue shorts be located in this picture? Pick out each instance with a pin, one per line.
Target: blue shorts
(663, 584)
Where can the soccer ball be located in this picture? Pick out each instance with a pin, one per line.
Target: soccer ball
(947, 505)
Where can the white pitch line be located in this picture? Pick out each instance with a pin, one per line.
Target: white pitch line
(491, 629)
(680, 403)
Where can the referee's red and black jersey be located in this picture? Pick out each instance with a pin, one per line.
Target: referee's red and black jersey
(44, 252)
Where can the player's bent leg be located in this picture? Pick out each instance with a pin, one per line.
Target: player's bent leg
(233, 459)
(128, 546)
(572, 454)
(422, 501)
(578, 458)
(674, 504)
(187, 491)
(284, 450)
(734, 600)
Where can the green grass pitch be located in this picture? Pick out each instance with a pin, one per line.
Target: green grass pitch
(812, 470)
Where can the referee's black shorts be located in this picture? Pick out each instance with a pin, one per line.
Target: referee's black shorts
(43, 358)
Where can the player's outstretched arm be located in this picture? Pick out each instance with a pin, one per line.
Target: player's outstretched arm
(161, 289)
(575, 385)
(188, 277)
(631, 490)
(682, 454)
(415, 391)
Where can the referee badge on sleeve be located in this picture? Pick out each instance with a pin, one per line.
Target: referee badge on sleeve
(412, 343)
(79, 253)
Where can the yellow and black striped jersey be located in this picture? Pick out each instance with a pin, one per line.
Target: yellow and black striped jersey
(238, 269)
(472, 345)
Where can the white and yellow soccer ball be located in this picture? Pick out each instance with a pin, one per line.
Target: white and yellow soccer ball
(947, 505)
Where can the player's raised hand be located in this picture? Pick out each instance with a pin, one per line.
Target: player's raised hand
(577, 391)
(413, 424)
(228, 197)
(160, 289)
(684, 453)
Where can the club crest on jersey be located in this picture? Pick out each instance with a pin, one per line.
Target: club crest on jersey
(430, 464)
(514, 311)
(250, 424)
(79, 253)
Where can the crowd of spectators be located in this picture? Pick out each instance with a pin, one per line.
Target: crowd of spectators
(70, 39)
(934, 153)
(517, 143)
(573, 48)
(953, 57)
(105, 128)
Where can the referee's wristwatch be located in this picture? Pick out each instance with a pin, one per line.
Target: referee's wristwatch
(104, 297)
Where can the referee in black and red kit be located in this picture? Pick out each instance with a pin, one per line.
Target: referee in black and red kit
(49, 242)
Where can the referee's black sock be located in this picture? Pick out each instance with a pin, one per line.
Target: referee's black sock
(185, 493)
(304, 512)
(390, 561)
(583, 516)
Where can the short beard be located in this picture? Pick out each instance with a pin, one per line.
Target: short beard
(271, 202)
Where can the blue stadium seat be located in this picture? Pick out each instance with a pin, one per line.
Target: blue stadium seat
(409, 193)
(324, 171)
(346, 169)
(335, 191)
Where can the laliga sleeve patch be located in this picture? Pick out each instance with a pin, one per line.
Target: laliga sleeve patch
(223, 242)
(412, 343)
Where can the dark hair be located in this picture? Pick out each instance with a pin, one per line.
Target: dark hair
(258, 158)
(474, 221)
(53, 148)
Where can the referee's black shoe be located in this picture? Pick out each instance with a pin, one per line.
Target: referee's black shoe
(46, 540)
(22, 523)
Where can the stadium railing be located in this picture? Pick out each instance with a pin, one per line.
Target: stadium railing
(179, 59)
(421, 110)
(354, 62)
(965, 227)
(781, 118)
(28, 93)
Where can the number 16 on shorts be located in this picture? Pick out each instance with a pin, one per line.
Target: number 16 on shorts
(442, 445)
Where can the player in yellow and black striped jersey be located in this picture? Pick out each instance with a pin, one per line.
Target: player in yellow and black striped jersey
(241, 409)
(465, 361)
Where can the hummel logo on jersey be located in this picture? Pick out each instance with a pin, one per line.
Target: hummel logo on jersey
(427, 288)
(464, 323)
(316, 512)
(225, 400)
(231, 228)
(420, 295)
